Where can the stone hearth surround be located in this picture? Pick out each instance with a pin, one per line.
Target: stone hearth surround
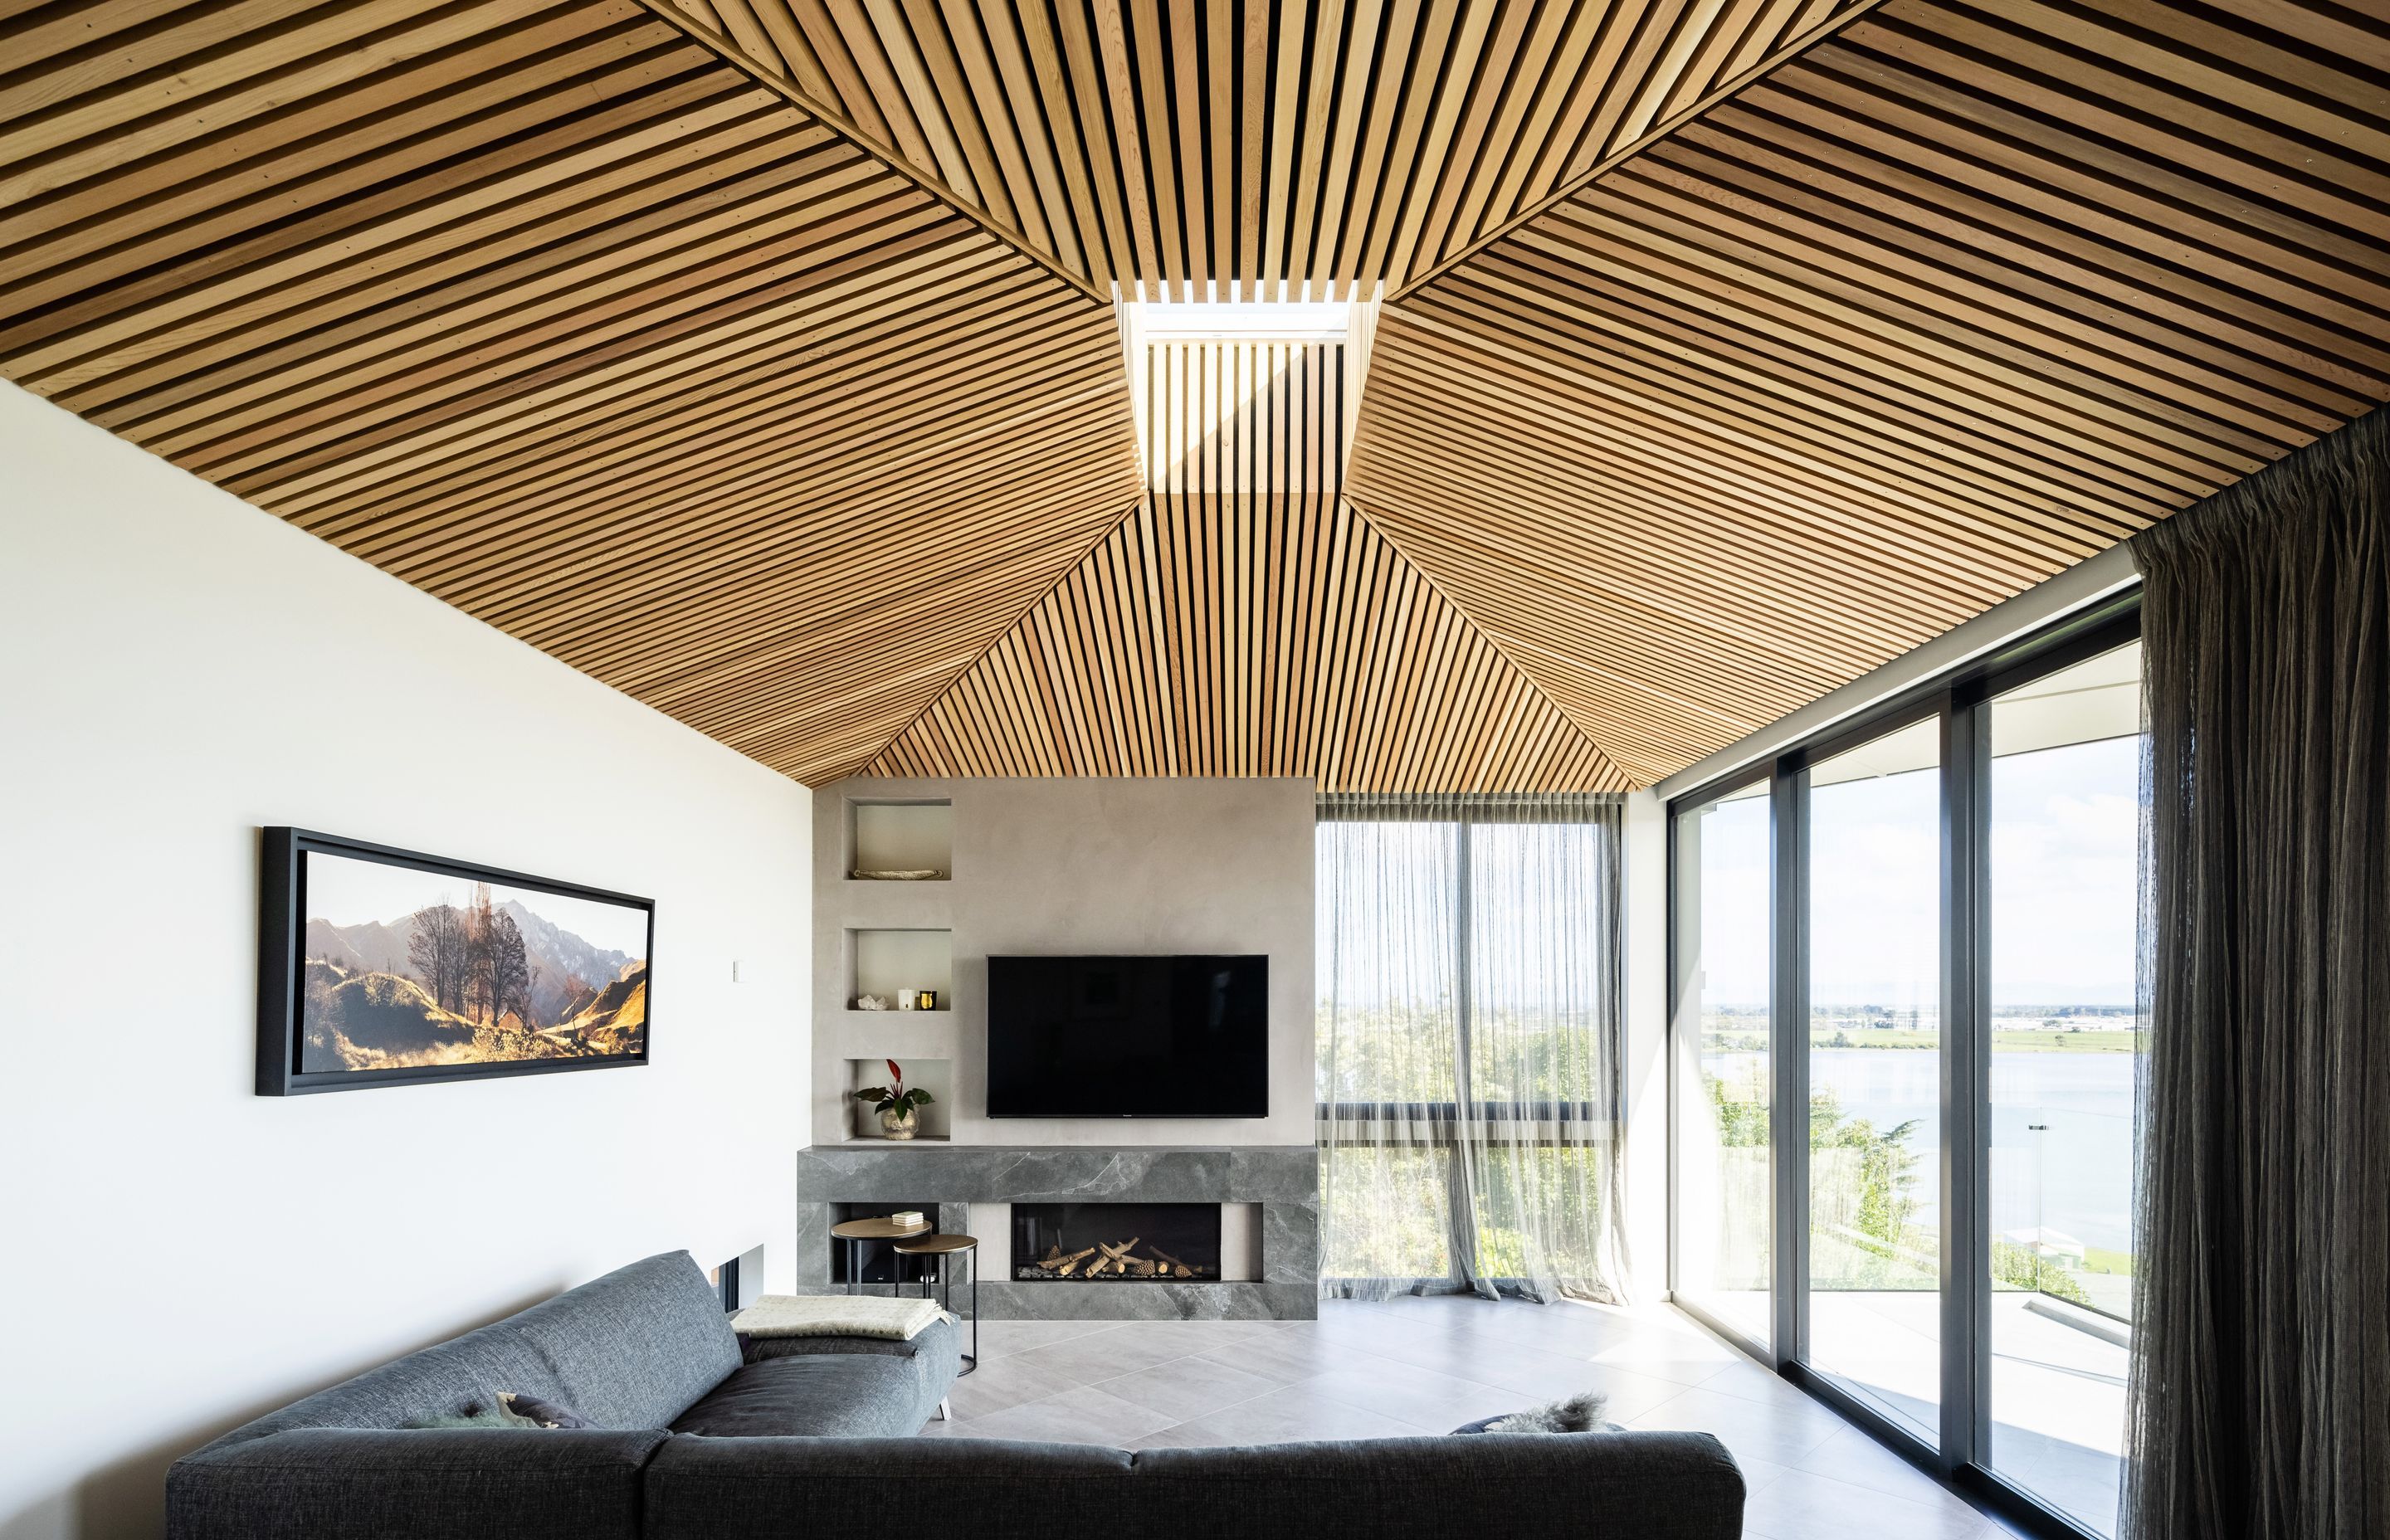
(1283, 1180)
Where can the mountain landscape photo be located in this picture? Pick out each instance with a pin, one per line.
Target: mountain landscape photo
(405, 969)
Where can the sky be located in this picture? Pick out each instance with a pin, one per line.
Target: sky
(349, 892)
(2064, 826)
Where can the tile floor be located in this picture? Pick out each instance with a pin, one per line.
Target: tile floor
(1415, 1366)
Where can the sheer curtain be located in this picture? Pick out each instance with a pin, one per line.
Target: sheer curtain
(1470, 997)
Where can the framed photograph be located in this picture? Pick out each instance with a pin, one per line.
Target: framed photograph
(381, 967)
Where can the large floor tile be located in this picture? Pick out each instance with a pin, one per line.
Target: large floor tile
(1750, 1429)
(1083, 1415)
(1406, 1392)
(1538, 1378)
(1681, 1353)
(1853, 1457)
(1455, 1353)
(1750, 1382)
(1002, 1338)
(1108, 1355)
(1563, 1327)
(1291, 1415)
(1423, 1364)
(1004, 1383)
(1189, 1387)
(1285, 1359)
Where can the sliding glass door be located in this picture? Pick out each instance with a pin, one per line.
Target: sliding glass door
(1722, 1073)
(2065, 883)
(1919, 931)
(1874, 817)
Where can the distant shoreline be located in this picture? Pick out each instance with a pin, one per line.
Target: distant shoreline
(2004, 1040)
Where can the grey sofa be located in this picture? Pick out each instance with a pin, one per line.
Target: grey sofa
(692, 1442)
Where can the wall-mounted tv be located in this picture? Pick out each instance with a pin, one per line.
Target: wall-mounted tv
(1128, 1037)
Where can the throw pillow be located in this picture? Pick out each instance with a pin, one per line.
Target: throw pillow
(536, 1413)
(475, 1416)
(1579, 1414)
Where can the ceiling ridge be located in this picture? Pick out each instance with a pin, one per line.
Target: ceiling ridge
(1494, 644)
(1568, 188)
(729, 51)
(1519, 715)
(996, 640)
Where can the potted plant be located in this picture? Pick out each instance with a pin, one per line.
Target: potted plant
(899, 1114)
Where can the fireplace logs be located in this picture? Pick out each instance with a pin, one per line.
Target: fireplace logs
(1115, 1243)
(1111, 1259)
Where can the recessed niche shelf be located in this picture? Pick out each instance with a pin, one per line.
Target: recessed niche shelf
(900, 837)
(888, 962)
(934, 1076)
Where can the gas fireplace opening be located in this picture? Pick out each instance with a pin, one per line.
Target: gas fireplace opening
(1115, 1243)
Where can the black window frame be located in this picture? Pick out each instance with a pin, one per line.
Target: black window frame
(1958, 698)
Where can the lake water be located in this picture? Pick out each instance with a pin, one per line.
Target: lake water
(2062, 1130)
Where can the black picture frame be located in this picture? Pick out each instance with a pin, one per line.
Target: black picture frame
(282, 928)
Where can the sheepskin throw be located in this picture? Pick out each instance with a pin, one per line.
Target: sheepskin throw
(1579, 1414)
(835, 1316)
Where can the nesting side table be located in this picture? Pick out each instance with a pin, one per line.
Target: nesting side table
(944, 1247)
(855, 1232)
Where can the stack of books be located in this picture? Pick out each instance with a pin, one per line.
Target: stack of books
(908, 1219)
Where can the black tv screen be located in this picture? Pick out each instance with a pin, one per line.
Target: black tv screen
(1128, 1037)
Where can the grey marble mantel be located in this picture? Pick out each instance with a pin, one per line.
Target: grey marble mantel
(1284, 1181)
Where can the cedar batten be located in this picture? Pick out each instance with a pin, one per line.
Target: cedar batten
(1957, 299)
(755, 356)
(548, 311)
(1341, 145)
(1246, 620)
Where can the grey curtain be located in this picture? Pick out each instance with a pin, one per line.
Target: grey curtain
(2260, 1387)
(1470, 1002)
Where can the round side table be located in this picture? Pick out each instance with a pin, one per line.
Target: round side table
(855, 1232)
(941, 1247)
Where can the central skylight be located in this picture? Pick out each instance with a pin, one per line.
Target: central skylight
(1211, 384)
(1248, 318)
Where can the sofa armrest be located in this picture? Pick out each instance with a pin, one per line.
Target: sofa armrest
(1653, 1486)
(368, 1483)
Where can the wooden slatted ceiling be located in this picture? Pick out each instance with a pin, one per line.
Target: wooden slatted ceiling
(554, 314)
(579, 318)
(1959, 299)
(1254, 141)
(1246, 622)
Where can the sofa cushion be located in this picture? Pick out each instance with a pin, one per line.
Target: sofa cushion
(754, 1350)
(630, 1350)
(634, 1349)
(1649, 1485)
(447, 1380)
(358, 1483)
(840, 1395)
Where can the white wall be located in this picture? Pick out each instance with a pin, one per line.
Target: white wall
(1093, 865)
(1646, 1071)
(178, 1254)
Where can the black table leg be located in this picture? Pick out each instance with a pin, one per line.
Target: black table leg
(971, 1359)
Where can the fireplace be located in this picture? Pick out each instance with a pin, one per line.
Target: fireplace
(1115, 1243)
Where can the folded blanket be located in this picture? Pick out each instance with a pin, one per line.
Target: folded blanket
(835, 1316)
